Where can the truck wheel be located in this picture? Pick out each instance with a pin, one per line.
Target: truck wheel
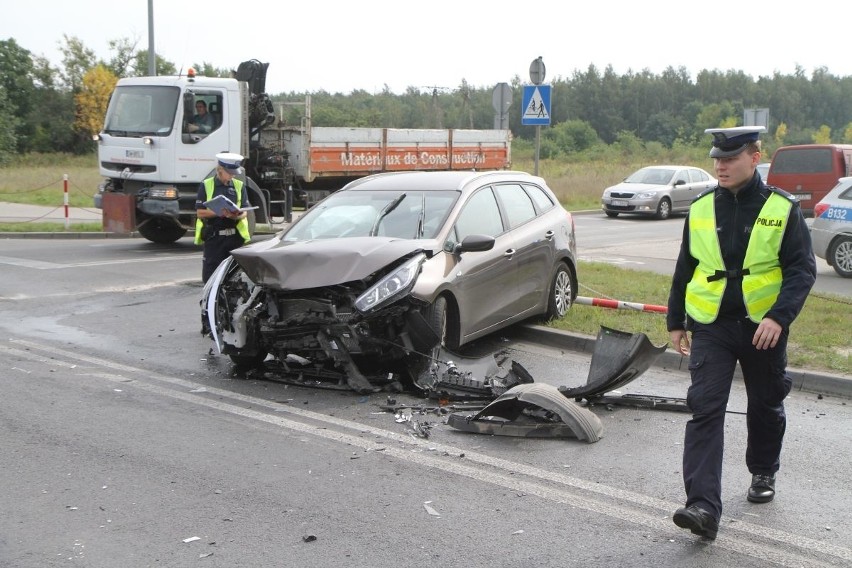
(160, 231)
(840, 253)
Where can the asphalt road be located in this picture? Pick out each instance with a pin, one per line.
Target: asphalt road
(126, 442)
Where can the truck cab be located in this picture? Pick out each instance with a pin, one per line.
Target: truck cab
(148, 155)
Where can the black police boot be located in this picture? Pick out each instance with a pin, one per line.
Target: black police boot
(697, 520)
(762, 488)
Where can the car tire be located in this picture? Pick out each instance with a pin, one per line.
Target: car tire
(611, 213)
(561, 293)
(840, 255)
(422, 367)
(437, 316)
(664, 208)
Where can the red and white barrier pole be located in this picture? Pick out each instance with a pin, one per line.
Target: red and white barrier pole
(65, 199)
(619, 305)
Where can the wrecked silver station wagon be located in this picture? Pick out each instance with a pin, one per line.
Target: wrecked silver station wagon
(375, 282)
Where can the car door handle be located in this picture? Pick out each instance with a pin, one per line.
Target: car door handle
(549, 235)
(509, 253)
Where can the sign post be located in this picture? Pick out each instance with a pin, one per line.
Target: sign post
(536, 106)
(501, 100)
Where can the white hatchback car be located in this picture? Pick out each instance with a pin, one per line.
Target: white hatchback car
(656, 190)
(831, 230)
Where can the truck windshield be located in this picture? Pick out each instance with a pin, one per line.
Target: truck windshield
(142, 110)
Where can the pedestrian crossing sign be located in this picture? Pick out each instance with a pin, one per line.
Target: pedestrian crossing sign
(536, 105)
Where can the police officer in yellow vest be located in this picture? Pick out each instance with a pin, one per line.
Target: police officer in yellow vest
(744, 271)
(221, 233)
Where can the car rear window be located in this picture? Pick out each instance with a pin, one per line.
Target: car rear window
(802, 161)
(542, 199)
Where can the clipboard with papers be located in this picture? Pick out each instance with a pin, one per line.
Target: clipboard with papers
(221, 203)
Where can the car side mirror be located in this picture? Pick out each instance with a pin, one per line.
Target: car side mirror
(680, 182)
(474, 243)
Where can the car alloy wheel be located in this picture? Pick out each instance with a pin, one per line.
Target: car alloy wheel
(840, 254)
(561, 293)
(664, 209)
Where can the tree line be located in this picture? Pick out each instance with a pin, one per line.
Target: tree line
(48, 109)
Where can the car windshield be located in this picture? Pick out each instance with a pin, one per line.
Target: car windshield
(656, 176)
(409, 214)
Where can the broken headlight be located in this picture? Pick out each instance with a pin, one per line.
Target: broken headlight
(395, 284)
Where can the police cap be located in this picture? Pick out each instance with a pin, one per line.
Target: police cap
(230, 161)
(729, 142)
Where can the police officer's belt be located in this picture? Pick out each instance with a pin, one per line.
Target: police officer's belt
(735, 273)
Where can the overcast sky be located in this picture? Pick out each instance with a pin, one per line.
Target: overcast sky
(341, 46)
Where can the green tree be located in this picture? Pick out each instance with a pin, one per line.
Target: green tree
(77, 60)
(8, 122)
(162, 65)
(16, 78)
(207, 69)
(52, 113)
(571, 136)
(123, 60)
(663, 127)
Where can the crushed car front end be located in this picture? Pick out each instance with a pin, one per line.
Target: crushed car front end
(362, 325)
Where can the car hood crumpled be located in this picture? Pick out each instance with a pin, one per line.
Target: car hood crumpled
(287, 265)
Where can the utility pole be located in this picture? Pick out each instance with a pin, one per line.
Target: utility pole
(152, 54)
(437, 114)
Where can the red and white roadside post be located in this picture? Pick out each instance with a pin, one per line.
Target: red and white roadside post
(65, 201)
(619, 305)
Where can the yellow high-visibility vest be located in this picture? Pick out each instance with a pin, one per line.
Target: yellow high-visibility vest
(242, 224)
(761, 270)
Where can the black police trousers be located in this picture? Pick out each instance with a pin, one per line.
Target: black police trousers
(216, 249)
(715, 350)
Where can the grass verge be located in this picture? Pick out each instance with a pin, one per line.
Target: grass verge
(50, 227)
